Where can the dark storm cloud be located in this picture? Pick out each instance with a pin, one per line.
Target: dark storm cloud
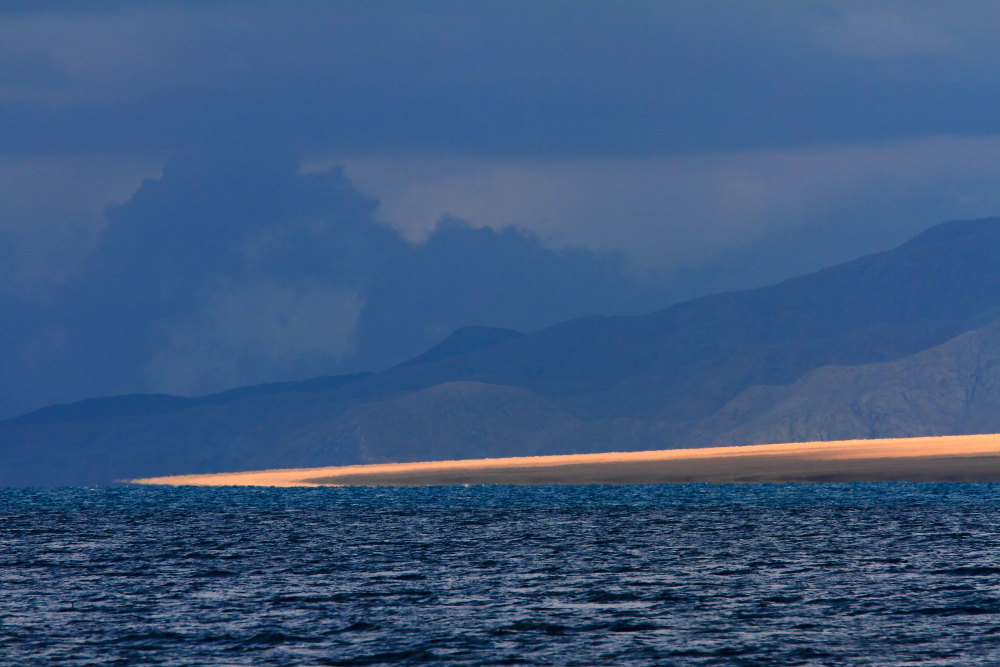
(169, 254)
(236, 267)
(537, 78)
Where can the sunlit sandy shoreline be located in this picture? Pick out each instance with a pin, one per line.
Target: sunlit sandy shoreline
(944, 458)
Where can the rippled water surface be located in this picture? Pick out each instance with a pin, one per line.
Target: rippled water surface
(687, 575)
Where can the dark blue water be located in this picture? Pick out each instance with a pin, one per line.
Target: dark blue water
(686, 575)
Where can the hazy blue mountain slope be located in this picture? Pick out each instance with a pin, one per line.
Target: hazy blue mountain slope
(952, 388)
(455, 420)
(136, 405)
(741, 365)
(462, 341)
(451, 420)
(683, 363)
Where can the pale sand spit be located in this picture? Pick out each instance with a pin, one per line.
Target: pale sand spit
(964, 458)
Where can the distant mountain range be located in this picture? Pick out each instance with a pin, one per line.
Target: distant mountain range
(900, 343)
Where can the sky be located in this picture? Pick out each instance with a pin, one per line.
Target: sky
(199, 195)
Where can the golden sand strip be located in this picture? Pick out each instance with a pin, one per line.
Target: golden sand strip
(941, 458)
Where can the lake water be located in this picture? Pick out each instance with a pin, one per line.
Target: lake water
(688, 575)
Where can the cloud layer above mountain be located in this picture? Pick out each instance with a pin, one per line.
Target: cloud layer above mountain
(493, 77)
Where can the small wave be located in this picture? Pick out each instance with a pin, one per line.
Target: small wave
(411, 656)
(358, 626)
(533, 626)
(152, 636)
(629, 626)
(310, 599)
(274, 637)
(957, 610)
(783, 599)
(605, 597)
(215, 572)
(969, 571)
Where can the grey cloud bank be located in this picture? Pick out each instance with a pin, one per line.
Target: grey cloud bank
(529, 78)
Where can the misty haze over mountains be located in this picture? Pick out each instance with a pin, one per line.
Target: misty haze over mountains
(899, 343)
(236, 268)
